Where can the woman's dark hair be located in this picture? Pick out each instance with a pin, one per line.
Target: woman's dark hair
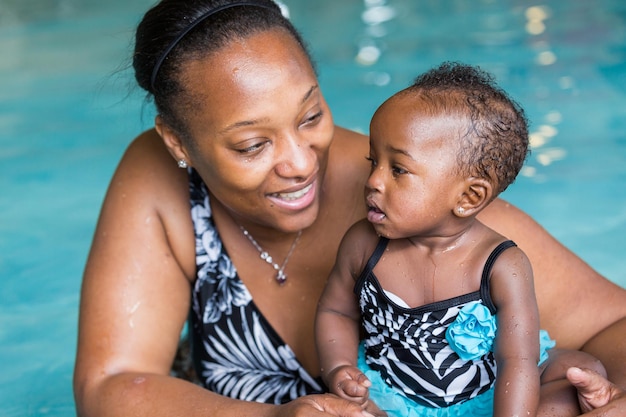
(194, 29)
(495, 145)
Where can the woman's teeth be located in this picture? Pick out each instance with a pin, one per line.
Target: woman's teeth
(296, 194)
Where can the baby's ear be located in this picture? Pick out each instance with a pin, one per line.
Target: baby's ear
(477, 194)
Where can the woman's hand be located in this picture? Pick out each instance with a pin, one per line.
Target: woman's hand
(597, 393)
(328, 405)
(608, 346)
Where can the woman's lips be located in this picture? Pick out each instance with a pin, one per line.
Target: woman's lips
(295, 200)
(294, 195)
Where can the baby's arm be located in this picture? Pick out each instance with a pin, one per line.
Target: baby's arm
(338, 318)
(517, 339)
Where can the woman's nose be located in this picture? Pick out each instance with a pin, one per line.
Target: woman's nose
(297, 157)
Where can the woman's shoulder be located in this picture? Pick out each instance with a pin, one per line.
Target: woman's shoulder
(148, 172)
(148, 164)
(147, 149)
(148, 181)
(346, 174)
(347, 158)
(350, 140)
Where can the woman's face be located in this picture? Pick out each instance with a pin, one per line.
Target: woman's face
(261, 130)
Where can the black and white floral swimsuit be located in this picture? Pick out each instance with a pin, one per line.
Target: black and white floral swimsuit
(438, 354)
(236, 352)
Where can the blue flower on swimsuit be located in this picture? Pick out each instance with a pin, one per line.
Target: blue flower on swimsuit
(472, 334)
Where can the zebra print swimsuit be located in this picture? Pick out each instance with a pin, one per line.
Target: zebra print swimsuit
(235, 351)
(408, 346)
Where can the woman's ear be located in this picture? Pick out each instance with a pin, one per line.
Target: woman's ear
(477, 194)
(172, 141)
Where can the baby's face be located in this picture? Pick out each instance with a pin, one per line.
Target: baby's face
(414, 183)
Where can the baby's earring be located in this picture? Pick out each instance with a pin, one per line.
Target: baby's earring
(460, 211)
(182, 163)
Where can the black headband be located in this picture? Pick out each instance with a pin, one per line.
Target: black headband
(195, 23)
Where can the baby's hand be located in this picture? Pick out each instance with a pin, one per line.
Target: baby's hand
(350, 383)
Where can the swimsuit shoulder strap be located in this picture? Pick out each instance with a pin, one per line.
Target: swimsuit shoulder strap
(485, 290)
(371, 263)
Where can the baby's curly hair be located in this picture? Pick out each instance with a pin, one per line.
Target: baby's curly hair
(495, 145)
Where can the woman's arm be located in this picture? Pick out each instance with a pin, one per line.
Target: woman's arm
(135, 293)
(135, 300)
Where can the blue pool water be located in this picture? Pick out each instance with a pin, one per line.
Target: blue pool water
(68, 109)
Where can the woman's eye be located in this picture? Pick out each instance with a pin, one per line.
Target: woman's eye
(313, 118)
(251, 149)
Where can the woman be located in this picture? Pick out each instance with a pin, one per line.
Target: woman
(265, 171)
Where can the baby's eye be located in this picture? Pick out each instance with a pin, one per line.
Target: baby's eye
(398, 171)
(371, 160)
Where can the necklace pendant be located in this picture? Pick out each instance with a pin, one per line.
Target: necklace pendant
(281, 277)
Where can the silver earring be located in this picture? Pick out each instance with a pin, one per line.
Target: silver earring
(182, 163)
(460, 210)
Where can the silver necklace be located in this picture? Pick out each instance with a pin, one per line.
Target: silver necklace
(281, 277)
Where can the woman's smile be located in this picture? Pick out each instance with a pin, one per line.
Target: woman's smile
(295, 200)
